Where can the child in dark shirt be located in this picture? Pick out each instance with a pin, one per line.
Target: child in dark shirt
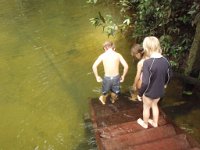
(155, 78)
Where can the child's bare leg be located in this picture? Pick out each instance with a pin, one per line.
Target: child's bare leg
(114, 97)
(102, 98)
(155, 111)
(146, 112)
(147, 103)
(133, 94)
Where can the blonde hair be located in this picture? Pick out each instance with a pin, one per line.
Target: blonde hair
(151, 44)
(108, 44)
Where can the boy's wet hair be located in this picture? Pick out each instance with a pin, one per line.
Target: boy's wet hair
(137, 48)
(108, 44)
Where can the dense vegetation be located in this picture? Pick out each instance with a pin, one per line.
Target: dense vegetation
(170, 20)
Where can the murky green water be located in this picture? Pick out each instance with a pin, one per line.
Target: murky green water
(183, 110)
(47, 49)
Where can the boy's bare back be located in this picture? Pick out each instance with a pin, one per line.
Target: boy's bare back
(111, 80)
(111, 61)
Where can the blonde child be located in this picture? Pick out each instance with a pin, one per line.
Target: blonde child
(156, 74)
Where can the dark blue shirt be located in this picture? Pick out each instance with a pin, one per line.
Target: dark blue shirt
(156, 73)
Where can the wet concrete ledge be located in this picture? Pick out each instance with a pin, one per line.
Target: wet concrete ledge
(116, 128)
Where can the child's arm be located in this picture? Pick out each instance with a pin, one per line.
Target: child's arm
(145, 78)
(94, 68)
(168, 75)
(138, 74)
(125, 65)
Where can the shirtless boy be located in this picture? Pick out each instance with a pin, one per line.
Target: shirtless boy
(111, 81)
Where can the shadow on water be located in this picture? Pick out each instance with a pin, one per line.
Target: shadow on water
(183, 110)
(90, 143)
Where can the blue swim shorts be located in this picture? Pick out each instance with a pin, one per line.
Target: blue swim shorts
(111, 84)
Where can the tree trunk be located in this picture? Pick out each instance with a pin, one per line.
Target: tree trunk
(193, 63)
(187, 79)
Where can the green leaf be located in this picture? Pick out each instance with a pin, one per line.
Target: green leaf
(127, 21)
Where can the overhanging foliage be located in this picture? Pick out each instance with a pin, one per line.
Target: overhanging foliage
(170, 20)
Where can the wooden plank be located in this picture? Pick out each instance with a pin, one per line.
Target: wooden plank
(178, 142)
(124, 128)
(195, 148)
(117, 118)
(116, 128)
(123, 110)
(118, 106)
(143, 136)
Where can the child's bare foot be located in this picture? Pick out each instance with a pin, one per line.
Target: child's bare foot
(152, 123)
(101, 98)
(112, 100)
(141, 122)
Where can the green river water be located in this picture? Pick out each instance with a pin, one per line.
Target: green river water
(47, 49)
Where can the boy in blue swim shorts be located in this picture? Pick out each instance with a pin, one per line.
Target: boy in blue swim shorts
(111, 81)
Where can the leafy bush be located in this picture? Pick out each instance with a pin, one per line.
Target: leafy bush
(170, 20)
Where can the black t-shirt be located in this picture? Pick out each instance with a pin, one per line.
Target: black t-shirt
(156, 74)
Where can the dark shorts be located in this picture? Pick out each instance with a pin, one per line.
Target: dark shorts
(111, 84)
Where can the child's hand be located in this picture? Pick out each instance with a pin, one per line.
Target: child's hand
(139, 98)
(134, 87)
(122, 79)
(99, 79)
